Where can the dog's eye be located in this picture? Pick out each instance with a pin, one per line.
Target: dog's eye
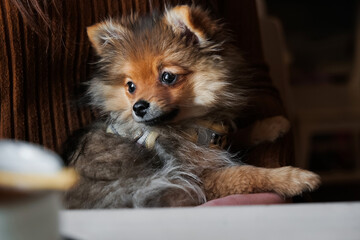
(168, 78)
(131, 87)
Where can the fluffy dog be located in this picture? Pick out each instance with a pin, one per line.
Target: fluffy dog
(170, 86)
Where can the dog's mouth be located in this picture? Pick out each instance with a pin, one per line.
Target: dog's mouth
(162, 118)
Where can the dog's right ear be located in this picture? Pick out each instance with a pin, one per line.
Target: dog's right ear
(191, 22)
(105, 35)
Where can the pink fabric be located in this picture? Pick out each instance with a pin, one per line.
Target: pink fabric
(247, 199)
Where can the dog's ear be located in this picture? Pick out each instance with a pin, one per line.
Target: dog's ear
(192, 22)
(105, 35)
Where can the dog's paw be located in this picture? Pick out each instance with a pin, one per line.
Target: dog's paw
(269, 129)
(290, 181)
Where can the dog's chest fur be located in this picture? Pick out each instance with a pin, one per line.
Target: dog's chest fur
(119, 172)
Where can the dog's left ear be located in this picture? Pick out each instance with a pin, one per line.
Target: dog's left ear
(192, 22)
(105, 36)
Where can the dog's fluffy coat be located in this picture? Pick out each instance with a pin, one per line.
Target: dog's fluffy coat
(211, 86)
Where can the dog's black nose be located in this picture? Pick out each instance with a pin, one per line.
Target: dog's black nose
(140, 108)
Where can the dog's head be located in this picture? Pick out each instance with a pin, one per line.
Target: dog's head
(164, 68)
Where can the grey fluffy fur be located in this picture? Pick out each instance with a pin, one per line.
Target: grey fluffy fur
(116, 172)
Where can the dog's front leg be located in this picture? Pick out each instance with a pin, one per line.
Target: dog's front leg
(286, 181)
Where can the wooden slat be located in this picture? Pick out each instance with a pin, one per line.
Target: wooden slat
(6, 122)
(55, 82)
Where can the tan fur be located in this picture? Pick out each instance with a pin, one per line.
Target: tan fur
(117, 99)
(144, 73)
(250, 179)
(269, 129)
(181, 14)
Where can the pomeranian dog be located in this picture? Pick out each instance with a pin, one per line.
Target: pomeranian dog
(171, 86)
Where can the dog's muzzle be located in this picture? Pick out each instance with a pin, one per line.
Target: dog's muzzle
(151, 114)
(140, 108)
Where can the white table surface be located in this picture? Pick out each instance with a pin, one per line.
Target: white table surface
(338, 221)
